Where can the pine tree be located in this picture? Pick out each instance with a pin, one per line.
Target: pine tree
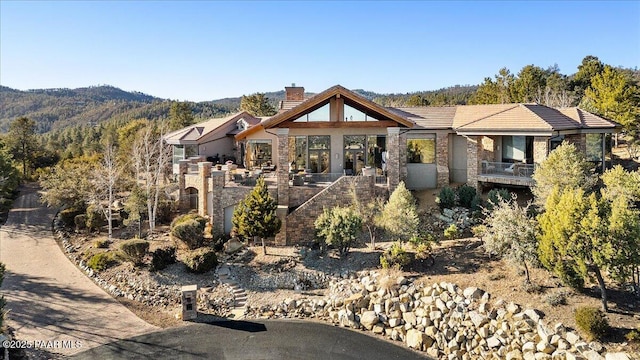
(399, 218)
(257, 105)
(255, 216)
(564, 168)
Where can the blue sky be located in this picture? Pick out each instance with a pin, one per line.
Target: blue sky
(205, 50)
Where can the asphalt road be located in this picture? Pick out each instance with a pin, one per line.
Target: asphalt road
(253, 340)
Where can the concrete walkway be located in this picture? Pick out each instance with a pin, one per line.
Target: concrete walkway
(48, 298)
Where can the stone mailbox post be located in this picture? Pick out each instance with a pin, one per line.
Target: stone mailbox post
(189, 302)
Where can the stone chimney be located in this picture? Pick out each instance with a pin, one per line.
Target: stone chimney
(294, 92)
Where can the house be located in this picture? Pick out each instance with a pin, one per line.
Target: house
(310, 147)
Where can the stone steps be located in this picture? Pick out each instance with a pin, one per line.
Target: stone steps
(239, 294)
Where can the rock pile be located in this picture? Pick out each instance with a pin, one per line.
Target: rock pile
(443, 320)
(458, 215)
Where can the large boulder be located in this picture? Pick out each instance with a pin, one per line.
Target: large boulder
(368, 319)
(233, 246)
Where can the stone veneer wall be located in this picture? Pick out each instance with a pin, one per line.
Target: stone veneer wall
(474, 149)
(298, 195)
(442, 158)
(299, 223)
(540, 149)
(393, 150)
(579, 140)
(488, 148)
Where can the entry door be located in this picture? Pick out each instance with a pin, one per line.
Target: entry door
(354, 156)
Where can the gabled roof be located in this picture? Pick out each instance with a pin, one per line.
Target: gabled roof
(320, 99)
(195, 133)
(301, 107)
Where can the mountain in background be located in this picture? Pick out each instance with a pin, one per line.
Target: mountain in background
(56, 109)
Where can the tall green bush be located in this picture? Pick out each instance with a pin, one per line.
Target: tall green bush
(339, 227)
(255, 215)
(446, 198)
(399, 218)
(466, 196)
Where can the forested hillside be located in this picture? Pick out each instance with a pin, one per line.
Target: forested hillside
(55, 109)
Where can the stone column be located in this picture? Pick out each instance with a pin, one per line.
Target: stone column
(183, 168)
(442, 158)
(393, 159)
(217, 214)
(540, 149)
(474, 161)
(204, 172)
(281, 213)
(283, 166)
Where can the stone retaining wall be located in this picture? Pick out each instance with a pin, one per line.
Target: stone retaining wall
(300, 223)
(445, 321)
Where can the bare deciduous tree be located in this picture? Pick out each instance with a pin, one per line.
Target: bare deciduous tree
(151, 158)
(104, 180)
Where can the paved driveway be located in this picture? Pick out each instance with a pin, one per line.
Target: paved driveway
(254, 340)
(49, 298)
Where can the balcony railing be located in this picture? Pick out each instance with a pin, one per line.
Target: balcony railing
(517, 170)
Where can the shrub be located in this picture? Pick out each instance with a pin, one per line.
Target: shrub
(201, 260)
(633, 335)
(95, 219)
(591, 322)
(189, 229)
(163, 257)
(495, 195)
(447, 198)
(423, 251)
(102, 261)
(557, 298)
(135, 250)
(395, 257)
(466, 196)
(451, 232)
(496, 276)
(80, 221)
(339, 227)
(399, 217)
(532, 288)
(101, 244)
(68, 215)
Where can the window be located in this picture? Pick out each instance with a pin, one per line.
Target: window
(594, 147)
(517, 148)
(421, 151)
(320, 114)
(555, 141)
(181, 152)
(258, 153)
(353, 114)
(178, 153)
(363, 150)
(310, 153)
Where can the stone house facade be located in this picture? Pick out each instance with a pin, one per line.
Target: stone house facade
(316, 151)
